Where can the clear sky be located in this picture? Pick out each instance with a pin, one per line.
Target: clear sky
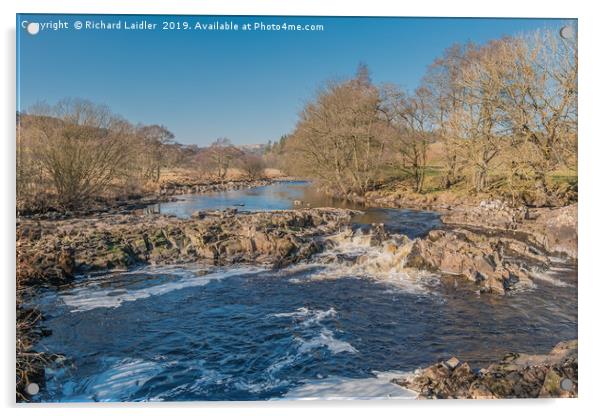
(248, 86)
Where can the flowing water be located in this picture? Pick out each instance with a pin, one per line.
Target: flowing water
(293, 195)
(328, 328)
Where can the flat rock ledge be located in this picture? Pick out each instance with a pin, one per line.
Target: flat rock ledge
(515, 376)
(55, 251)
(495, 264)
(490, 263)
(555, 229)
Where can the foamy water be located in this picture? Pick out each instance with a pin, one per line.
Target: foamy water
(343, 388)
(329, 328)
(354, 254)
(91, 295)
(551, 277)
(305, 318)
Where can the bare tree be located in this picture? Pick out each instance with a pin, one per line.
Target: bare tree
(442, 81)
(252, 165)
(81, 147)
(410, 115)
(154, 139)
(220, 156)
(339, 137)
(540, 101)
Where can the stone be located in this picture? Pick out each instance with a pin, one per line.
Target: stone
(514, 376)
(66, 262)
(452, 363)
(120, 241)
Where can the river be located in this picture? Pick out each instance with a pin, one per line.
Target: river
(313, 330)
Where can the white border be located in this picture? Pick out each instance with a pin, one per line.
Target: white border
(589, 172)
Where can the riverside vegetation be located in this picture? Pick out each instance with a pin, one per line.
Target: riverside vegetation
(489, 140)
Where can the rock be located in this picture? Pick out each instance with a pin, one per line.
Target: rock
(378, 234)
(185, 185)
(45, 250)
(477, 258)
(452, 363)
(66, 262)
(198, 215)
(497, 285)
(229, 212)
(494, 214)
(479, 391)
(515, 376)
(554, 229)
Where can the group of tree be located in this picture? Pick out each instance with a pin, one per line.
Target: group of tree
(74, 151)
(499, 117)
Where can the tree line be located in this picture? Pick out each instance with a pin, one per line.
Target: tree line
(75, 151)
(498, 118)
(494, 118)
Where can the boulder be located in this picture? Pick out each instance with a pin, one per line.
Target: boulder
(554, 229)
(475, 257)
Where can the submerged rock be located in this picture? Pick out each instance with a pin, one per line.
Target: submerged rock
(515, 376)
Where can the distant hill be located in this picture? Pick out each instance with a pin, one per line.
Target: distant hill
(257, 149)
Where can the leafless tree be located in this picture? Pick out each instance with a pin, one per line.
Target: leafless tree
(540, 101)
(154, 139)
(81, 147)
(252, 165)
(219, 157)
(410, 116)
(339, 137)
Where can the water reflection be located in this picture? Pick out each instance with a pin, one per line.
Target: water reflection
(297, 195)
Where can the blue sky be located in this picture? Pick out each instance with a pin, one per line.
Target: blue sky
(248, 86)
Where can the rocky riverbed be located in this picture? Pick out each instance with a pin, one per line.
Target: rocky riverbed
(514, 376)
(55, 251)
(553, 229)
(496, 259)
(492, 246)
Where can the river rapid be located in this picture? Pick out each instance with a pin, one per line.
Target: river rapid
(326, 328)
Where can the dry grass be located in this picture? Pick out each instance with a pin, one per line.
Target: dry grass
(29, 364)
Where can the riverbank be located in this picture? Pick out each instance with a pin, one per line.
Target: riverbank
(166, 191)
(514, 376)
